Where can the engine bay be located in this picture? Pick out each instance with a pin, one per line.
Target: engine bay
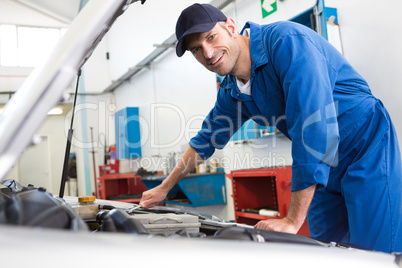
(35, 207)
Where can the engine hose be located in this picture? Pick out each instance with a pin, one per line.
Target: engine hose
(105, 222)
(106, 207)
(123, 222)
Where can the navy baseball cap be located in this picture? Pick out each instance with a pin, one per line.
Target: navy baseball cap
(197, 18)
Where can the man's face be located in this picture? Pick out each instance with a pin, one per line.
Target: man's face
(217, 50)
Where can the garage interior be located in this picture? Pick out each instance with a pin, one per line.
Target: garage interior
(138, 104)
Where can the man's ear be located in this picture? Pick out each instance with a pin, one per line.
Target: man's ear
(230, 24)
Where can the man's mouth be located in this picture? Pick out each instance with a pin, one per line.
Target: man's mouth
(216, 59)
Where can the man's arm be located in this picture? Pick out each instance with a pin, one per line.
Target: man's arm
(299, 204)
(187, 163)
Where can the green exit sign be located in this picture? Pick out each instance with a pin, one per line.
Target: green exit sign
(268, 7)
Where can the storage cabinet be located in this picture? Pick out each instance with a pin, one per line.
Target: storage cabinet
(262, 191)
(128, 138)
(121, 187)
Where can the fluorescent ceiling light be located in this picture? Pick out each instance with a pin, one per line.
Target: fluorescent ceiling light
(55, 111)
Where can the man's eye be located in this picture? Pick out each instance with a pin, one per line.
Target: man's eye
(195, 50)
(211, 37)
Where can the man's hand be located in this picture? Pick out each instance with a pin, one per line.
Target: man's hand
(187, 163)
(278, 225)
(152, 197)
(299, 204)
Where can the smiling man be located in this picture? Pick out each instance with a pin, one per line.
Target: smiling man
(346, 171)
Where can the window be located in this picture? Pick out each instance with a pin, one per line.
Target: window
(26, 46)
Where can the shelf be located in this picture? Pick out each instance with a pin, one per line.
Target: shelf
(253, 216)
(254, 173)
(135, 200)
(118, 176)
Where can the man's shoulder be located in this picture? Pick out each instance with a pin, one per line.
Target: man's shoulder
(283, 28)
(274, 32)
(274, 26)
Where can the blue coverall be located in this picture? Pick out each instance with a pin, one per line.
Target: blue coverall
(343, 139)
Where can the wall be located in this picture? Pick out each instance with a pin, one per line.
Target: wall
(134, 34)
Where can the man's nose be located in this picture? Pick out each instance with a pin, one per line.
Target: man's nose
(207, 51)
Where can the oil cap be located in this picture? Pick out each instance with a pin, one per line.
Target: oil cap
(90, 198)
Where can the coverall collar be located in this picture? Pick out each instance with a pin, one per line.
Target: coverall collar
(259, 57)
(258, 53)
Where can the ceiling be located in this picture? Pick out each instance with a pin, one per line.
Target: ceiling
(62, 10)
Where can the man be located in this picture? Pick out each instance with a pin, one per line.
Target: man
(346, 171)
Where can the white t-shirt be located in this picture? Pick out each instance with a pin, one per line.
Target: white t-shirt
(244, 88)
